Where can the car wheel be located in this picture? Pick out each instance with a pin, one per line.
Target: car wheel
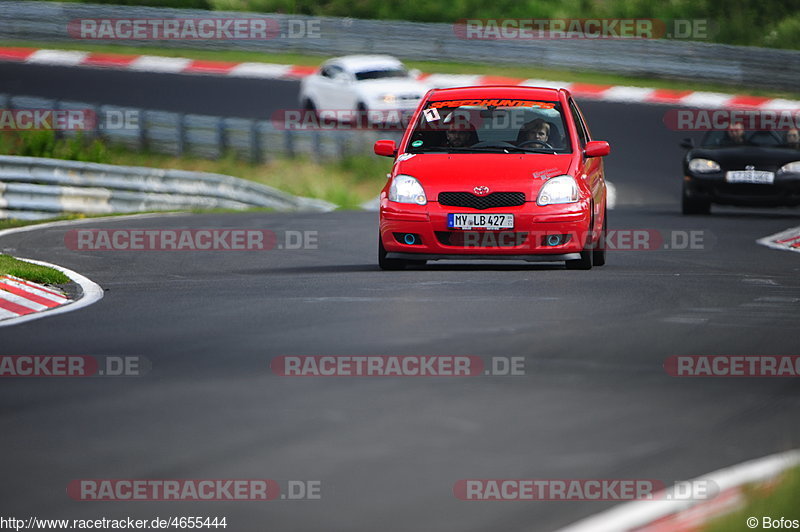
(362, 115)
(694, 206)
(585, 262)
(599, 252)
(309, 106)
(388, 264)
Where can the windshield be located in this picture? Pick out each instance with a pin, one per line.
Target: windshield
(490, 126)
(381, 74)
(741, 137)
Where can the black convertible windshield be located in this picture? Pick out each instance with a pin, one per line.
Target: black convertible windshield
(487, 125)
(725, 139)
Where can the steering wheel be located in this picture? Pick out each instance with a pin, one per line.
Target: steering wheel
(540, 142)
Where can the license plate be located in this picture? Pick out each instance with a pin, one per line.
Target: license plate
(480, 221)
(758, 177)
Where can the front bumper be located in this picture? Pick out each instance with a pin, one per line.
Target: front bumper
(528, 240)
(785, 191)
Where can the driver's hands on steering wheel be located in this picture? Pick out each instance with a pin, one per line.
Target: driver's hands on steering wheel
(534, 141)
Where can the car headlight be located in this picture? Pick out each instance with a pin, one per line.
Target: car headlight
(406, 189)
(561, 189)
(389, 98)
(793, 167)
(703, 166)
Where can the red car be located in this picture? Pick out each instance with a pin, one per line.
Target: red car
(500, 172)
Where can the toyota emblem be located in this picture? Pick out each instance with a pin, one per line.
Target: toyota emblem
(481, 190)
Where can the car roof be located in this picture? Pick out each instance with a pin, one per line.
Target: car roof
(497, 91)
(358, 63)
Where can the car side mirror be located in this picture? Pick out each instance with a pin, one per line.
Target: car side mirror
(597, 148)
(687, 143)
(385, 148)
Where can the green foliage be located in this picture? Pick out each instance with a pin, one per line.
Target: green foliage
(743, 22)
(31, 272)
(182, 4)
(46, 144)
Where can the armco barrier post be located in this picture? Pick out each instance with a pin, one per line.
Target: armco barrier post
(181, 123)
(255, 142)
(142, 130)
(288, 142)
(222, 140)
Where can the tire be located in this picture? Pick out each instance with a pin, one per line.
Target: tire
(599, 251)
(694, 206)
(585, 262)
(309, 106)
(362, 116)
(389, 264)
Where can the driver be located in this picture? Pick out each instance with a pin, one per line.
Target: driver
(536, 129)
(734, 135)
(460, 131)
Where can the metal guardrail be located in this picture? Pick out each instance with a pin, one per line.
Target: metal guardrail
(211, 137)
(36, 188)
(697, 61)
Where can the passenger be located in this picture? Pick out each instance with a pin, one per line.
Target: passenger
(793, 139)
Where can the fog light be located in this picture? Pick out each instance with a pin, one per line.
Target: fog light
(554, 240)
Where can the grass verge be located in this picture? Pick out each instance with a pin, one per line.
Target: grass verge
(31, 272)
(774, 502)
(515, 71)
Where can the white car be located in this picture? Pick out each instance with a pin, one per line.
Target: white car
(362, 83)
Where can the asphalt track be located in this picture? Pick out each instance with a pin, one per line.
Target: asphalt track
(595, 402)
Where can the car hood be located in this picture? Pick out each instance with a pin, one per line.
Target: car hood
(738, 157)
(500, 172)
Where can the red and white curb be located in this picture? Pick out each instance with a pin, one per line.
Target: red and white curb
(19, 297)
(181, 65)
(788, 240)
(22, 301)
(681, 515)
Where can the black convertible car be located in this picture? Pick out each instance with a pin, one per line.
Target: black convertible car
(747, 168)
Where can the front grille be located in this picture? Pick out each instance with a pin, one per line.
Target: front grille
(471, 201)
(487, 239)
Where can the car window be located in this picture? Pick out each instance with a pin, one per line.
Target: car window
(382, 73)
(333, 72)
(579, 125)
(718, 139)
(491, 125)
